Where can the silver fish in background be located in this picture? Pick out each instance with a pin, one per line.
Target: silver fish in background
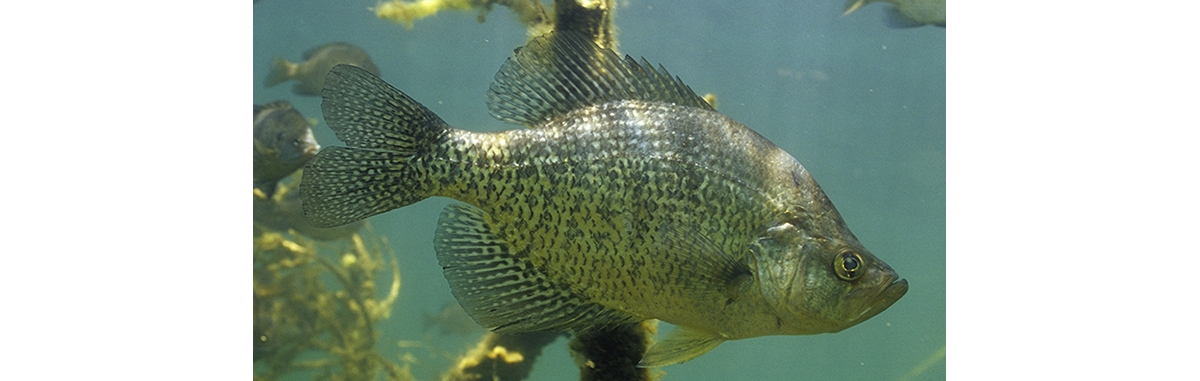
(628, 199)
(283, 143)
(310, 73)
(907, 13)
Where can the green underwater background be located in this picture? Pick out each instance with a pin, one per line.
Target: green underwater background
(860, 105)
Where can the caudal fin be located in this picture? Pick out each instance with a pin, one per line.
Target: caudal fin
(383, 130)
(281, 70)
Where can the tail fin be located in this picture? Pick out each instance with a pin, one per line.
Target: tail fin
(383, 129)
(281, 70)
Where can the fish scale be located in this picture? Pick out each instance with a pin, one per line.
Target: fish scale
(628, 198)
(593, 161)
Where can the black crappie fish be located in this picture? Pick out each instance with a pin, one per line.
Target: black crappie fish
(310, 73)
(630, 198)
(283, 143)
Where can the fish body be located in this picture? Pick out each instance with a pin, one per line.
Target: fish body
(628, 199)
(310, 73)
(283, 143)
(907, 13)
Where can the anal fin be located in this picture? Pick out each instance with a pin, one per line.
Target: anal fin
(500, 288)
(681, 345)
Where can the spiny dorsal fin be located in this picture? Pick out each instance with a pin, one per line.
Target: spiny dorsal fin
(563, 71)
(682, 344)
(502, 290)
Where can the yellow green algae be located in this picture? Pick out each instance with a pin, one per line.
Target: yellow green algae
(501, 357)
(302, 322)
(528, 12)
(590, 17)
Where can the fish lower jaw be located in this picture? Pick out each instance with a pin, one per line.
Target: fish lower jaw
(888, 296)
(860, 315)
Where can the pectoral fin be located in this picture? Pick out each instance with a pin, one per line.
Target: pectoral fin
(682, 344)
(716, 273)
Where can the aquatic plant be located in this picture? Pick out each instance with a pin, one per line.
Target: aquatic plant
(529, 12)
(304, 322)
(501, 357)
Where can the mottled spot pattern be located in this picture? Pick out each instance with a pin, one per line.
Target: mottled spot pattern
(586, 196)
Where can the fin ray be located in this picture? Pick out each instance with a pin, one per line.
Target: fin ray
(342, 185)
(681, 345)
(564, 71)
(502, 290)
(719, 274)
(366, 112)
(384, 130)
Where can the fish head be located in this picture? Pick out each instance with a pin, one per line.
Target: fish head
(288, 136)
(820, 284)
(302, 146)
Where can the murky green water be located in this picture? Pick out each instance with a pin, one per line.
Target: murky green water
(860, 105)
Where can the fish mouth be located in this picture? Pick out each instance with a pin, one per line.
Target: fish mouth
(311, 150)
(886, 297)
(894, 291)
(309, 147)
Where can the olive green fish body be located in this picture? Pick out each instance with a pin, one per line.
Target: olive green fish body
(590, 196)
(628, 199)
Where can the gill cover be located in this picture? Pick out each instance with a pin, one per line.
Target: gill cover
(778, 258)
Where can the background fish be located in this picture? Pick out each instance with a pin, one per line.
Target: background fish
(629, 199)
(451, 319)
(310, 74)
(283, 143)
(907, 13)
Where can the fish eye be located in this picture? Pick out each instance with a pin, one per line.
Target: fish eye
(848, 265)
